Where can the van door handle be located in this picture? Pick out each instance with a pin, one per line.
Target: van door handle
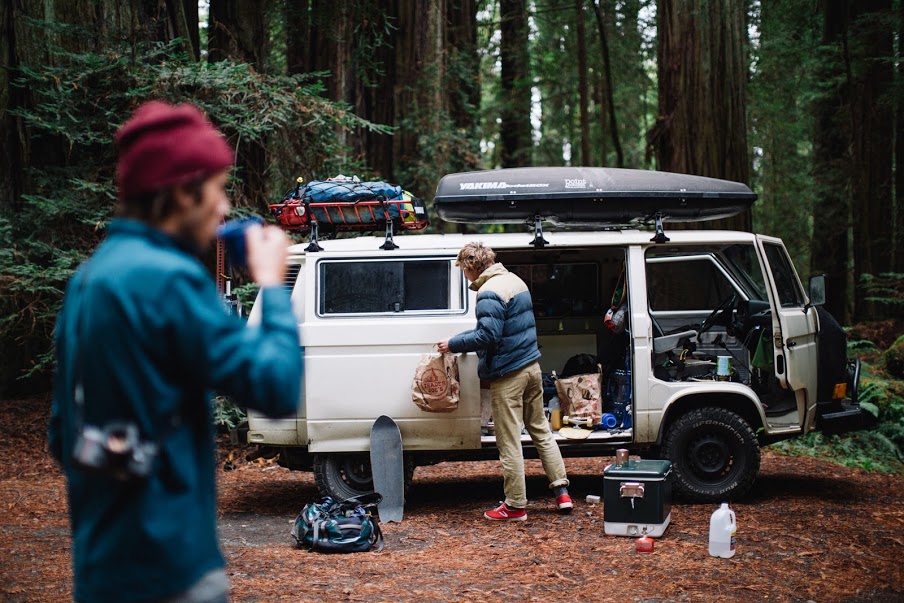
(791, 344)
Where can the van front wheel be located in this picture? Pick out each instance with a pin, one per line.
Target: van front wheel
(343, 476)
(715, 455)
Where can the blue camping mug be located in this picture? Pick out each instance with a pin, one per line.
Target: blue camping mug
(232, 233)
(608, 421)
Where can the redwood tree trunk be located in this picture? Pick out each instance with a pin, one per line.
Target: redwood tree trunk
(419, 89)
(831, 166)
(297, 17)
(898, 240)
(515, 126)
(583, 96)
(610, 91)
(463, 89)
(240, 31)
(872, 127)
(702, 125)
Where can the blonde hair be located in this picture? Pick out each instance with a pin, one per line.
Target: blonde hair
(476, 257)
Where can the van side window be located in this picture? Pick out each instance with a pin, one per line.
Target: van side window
(389, 286)
(690, 283)
(789, 292)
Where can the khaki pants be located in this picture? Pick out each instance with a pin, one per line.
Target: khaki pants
(517, 400)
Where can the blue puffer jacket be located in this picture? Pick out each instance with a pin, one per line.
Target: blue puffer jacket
(145, 332)
(506, 335)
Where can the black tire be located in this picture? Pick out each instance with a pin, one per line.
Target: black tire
(343, 476)
(715, 455)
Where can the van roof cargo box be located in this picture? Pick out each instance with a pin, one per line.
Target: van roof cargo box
(586, 195)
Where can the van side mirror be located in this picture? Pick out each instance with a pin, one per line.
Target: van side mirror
(818, 290)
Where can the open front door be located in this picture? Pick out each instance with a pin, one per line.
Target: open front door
(794, 322)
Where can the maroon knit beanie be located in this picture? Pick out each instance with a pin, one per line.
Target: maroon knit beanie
(164, 145)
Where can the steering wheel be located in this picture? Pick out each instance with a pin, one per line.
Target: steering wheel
(725, 305)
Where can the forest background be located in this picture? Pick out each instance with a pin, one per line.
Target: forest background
(801, 99)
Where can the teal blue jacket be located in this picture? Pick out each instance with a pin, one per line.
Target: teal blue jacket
(146, 333)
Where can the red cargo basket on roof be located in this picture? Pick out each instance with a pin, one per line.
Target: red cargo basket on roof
(345, 205)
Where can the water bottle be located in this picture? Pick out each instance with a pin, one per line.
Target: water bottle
(555, 414)
(722, 530)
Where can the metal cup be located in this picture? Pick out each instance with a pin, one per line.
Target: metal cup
(621, 457)
(232, 234)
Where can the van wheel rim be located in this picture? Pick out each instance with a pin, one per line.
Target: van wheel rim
(710, 456)
(356, 473)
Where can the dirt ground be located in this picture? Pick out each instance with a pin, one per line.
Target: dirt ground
(811, 531)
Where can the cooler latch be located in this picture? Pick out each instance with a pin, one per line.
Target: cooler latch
(631, 490)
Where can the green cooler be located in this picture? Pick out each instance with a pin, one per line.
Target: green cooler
(637, 498)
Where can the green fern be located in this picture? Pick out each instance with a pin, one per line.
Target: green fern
(227, 415)
(861, 345)
(879, 449)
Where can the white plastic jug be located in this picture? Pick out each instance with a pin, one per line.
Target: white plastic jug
(722, 529)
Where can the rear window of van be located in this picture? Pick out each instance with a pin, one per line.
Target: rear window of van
(412, 286)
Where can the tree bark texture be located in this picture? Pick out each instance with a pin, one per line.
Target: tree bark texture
(419, 85)
(610, 99)
(702, 123)
(297, 17)
(238, 31)
(463, 71)
(870, 44)
(831, 164)
(11, 152)
(898, 241)
(583, 96)
(24, 43)
(515, 126)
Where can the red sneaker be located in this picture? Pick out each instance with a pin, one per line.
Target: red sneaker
(505, 513)
(564, 504)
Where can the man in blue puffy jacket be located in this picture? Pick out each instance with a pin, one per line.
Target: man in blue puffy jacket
(505, 340)
(142, 340)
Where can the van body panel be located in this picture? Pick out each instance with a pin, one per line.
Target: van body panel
(360, 366)
(418, 435)
(276, 432)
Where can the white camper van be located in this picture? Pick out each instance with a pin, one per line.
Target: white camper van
(724, 349)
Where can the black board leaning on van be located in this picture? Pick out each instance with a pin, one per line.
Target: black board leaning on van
(586, 195)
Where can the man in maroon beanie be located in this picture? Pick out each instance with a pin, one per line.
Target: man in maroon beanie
(142, 343)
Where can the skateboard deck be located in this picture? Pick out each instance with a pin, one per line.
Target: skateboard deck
(574, 433)
(387, 467)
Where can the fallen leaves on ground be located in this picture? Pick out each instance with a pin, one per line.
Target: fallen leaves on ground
(811, 531)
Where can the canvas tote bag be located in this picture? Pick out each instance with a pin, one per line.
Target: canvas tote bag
(435, 387)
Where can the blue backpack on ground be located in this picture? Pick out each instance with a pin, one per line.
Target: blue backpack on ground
(347, 526)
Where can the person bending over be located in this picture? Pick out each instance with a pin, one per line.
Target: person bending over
(505, 340)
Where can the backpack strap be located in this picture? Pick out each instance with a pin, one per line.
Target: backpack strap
(378, 533)
(370, 499)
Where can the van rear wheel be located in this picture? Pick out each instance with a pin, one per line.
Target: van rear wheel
(343, 476)
(715, 455)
